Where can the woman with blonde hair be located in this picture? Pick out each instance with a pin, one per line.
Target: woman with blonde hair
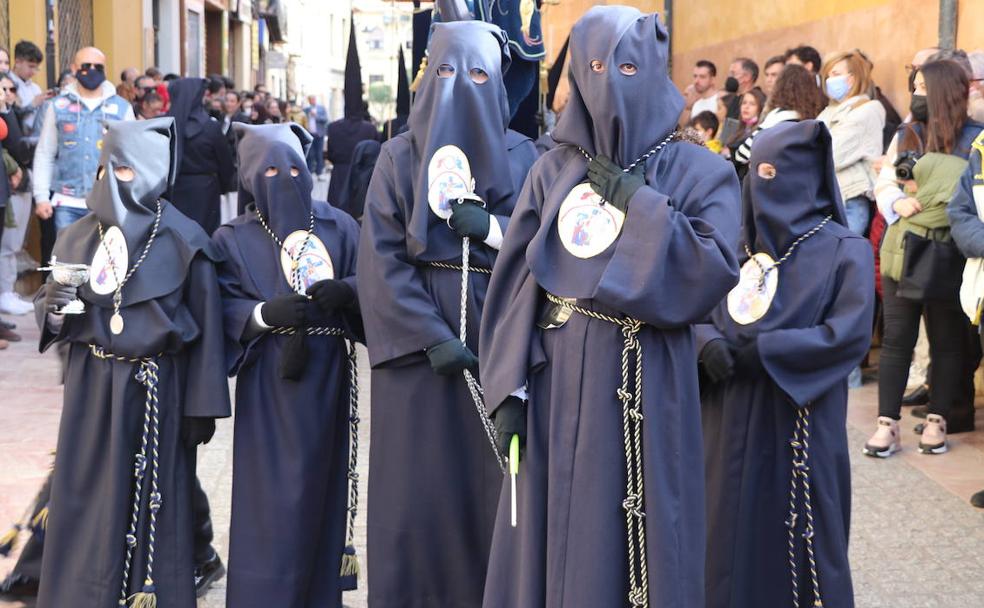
(855, 122)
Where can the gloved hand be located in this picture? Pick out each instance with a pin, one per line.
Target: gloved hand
(196, 431)
(717, 360)
(469, 219)
(57, 295)
(614, 185)
(509, 419)
(748, 361)
(293, 357)
(331, 294)
(451, 357)
(285, 311)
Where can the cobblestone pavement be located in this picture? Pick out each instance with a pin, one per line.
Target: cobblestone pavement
(916, 542)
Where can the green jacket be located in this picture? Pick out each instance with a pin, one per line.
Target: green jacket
(936, 175)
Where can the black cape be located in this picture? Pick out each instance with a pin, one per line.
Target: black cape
(343, 135)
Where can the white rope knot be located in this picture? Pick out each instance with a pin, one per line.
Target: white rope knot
(633, 505)
(624, 395)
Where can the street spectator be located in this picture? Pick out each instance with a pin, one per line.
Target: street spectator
(155, 74)
(126, 87)
(232, 114)
(67, 153)
(272, 113)
(261, 93)
(204, 160)
(317, 125)
(855, 122)
(215, 96)
(795, 97)
(773, 67)
(27, 59)
(249, 107)
(10, 181)
(743, 72)
(141, 86)
(702, 94)
(806, 56)
(928, 158)
(752, 104)
(150, 106)
(4, 60)
(975, 107)
(706, 124)
(66, 78)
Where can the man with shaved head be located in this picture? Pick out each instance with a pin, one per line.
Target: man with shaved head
(67, 156)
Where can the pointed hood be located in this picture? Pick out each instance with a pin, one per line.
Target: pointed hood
(453, 109)
(147, 148)
(604, 101)
(777, 211)
(353, 77)
(282, 198)
(402, 87)
(188, 110)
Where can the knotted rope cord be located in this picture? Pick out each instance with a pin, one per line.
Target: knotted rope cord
(353, 465)
(800, 444)
(630, 394)
(477, 394)
(459, 267)
(147, 375)
(765, 271)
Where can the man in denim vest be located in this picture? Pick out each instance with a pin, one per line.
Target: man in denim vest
(70, 139)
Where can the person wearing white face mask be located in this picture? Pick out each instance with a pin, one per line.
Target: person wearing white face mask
(855, 125)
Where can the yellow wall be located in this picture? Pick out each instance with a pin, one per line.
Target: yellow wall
(888, 31)
(970, 25)
(118, 32)
(27, 23)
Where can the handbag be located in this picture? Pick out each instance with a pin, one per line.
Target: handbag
(931, 269)
(972, 286)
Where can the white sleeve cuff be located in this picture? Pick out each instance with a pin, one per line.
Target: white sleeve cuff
(521, 393)
(258, 317)
(494, 239)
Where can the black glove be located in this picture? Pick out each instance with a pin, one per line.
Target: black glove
(748, 361)
(470, 219)
(285, 311)
(293, 357)
(451, 357)
(717, 360)
(57, 295)
(197, 431)
(331, 294)
(614, 185)
(509, 419)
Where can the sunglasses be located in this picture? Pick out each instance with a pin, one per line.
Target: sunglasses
(86, 67)
(11, 89)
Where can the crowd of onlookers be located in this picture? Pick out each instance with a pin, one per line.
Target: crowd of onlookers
(899, 173)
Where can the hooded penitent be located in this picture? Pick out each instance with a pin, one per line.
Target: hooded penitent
(188, 110)
(434, 477)
(609, 112)
(353, 78)
(132, 386)
(461, 101)
(582, 539)
(816, 329)
(282, 148)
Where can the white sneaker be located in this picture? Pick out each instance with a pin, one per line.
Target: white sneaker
(933, 439)
(12, 305)
(886, 440)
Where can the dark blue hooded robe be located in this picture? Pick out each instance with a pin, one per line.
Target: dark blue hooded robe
(291, 442)
(672, 263)
(816, 330)
(434, 480)
(172, 340)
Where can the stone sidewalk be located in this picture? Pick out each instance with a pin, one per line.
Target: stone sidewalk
(916, 542)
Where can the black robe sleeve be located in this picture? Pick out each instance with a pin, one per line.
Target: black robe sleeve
(206, 390)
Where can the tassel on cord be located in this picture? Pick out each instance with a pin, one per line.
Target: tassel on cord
(350, 562)
(40, 521)
(8, 542)
(420, 75)
(146, 598)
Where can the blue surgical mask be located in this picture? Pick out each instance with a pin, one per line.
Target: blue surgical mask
(838, 87)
